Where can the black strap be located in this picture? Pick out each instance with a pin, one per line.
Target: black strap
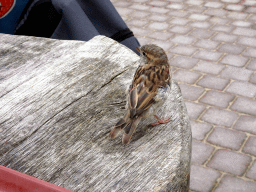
(122, 35)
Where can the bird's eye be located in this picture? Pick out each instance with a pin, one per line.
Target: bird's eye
(144, 53)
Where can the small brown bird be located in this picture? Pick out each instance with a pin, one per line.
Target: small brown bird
(147, 92)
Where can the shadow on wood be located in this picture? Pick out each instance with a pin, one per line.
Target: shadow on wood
(59, 100)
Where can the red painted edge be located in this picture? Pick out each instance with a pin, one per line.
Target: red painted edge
(14, 181)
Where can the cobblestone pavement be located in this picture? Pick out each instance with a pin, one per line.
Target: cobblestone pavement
(211, 45)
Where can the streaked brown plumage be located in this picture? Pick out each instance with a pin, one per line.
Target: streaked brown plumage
(152, 74)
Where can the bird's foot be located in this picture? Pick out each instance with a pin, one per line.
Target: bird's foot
(161, 121)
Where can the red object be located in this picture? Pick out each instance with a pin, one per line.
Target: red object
(14, 181)
(6, 6)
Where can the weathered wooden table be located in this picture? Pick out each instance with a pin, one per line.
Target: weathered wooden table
(58, 102)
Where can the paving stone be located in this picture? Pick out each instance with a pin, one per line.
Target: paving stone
(179, 21)
(196, 9)
(209, 67)
(183, 50)
(233, 7)
(201, 33)
(139, 14)
(216, 12)
(238, 73)
(250, 52)
(202, 179)
(230, 48)
(213, 82)
(177, 13)
(246, 123)
(184, 62)
(161, 35)
(227, 138)
(203, 25)
(244, 32)
(242, 88)
(223, 28)
(250, 146)
(207, 44)
(158, 3)
(194, 2)
(140, 32)
(194, 109)
(253, 79)
(180, 29)
(158, 26)
(242, 23)
(219, 117)
(199, 130)
(164, 44)
(230, 162)
(159, 10)
(225, 37)
(191, 92)
(252, 64)
(219, 20)
(247, 41)
(137, 23)
(200, 152)
(186, 76)
(123, 11)
(252, 171)
(175, 6)
(231, 184)
(122, 4)
(244, 105)
(216, 98)
(249, 2)
(199, 17)
(234, 60)
(251, 10)
(237, 15)
(208, 55)
(157, 18)
(144, 40)
(180, 39)
(139, 7)
(214, 4)
(230, 1)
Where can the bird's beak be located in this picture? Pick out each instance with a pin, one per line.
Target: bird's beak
(138, 49)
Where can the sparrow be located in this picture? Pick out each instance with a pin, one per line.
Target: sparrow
(147, 91)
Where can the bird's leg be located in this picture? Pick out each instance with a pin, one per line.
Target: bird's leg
(160, 121)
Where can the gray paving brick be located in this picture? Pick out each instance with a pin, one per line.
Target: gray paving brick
(137, 23)
(252, 17)
(250, 52)
(158, 3)
(233, 7)
(200, 152)
(237, 15)
(144, 40)
(227, 138)
(180, 39)
(201, 33)
(208, 55)
(231, 184)
(244, 32)
(223, 28)
(194, 2)
(176, 6)
(140, 32)
(196, 9)
(225, 37)
(157, 18)
(216, 12)
(158, 26)
(213, 82)
(252, 65)
(209, 67)
(122, 4)
(159, 10)
(186, 76)
(230, 162)
(191, 92)
(244, 105)
(230, 1)
(250, 146)
(179, 21)
(251, 10)
(139, 7)
(139, 14)
(230, 48)
(207, 44)
(219, 20)
(216, 98)
(199, 17)
(214, 4)
(199, 130)
(253, 79)
(177, 13)
(180, 29)
(242, 23)
(238, 73)
(246, 123)
(161, 35)
(234, 60)
(123, 11)
(252, 171)
(203, 179)
(164, 44)
(194, 109)
(183, 50)
(203, 24)
(242, 88)
(249, 2)
(248, 41)
(184, 62)
(219, 117)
